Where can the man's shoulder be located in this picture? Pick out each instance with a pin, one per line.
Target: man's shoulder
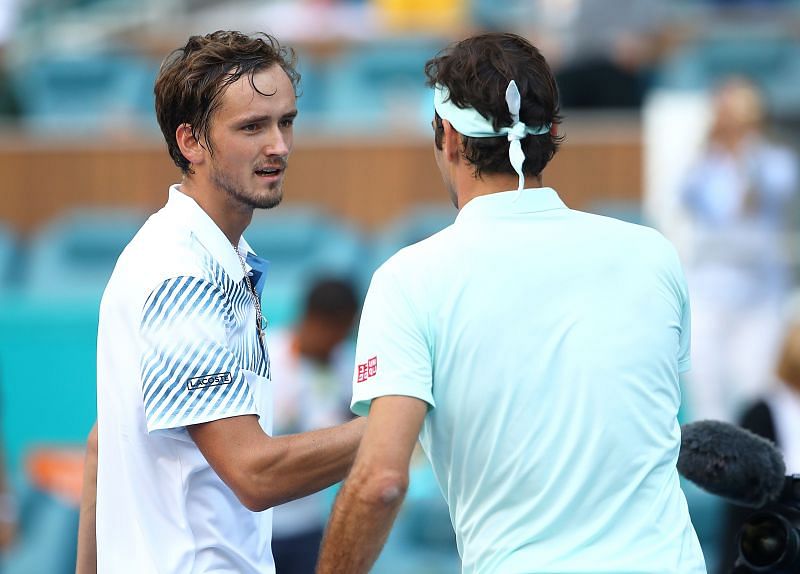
(159, 251)
(612, 229)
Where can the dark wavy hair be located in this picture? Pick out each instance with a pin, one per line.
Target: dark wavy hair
(192, 80)
(476, 71)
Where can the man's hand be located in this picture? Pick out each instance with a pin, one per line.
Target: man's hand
(373, 492)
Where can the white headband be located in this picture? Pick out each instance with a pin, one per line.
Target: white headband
(469, 122)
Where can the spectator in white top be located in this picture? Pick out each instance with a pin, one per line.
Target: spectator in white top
(737, 197)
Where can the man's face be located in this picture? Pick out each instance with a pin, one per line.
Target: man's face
(323, 334)
(252, 135)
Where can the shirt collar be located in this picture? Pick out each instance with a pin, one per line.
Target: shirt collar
(207, 232)
(529, 200)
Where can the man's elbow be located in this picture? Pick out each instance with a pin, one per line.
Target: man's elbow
(257, 485)
(380, 488)
(254, 502)
(255, 494)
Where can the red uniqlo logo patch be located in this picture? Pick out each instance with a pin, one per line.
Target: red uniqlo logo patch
(367, 370)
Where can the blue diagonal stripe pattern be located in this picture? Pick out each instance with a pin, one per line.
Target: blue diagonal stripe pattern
(195, 327)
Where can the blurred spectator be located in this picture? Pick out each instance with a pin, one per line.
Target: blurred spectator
(737, 196)
(607, 49)
(775, 416)
(312, 371)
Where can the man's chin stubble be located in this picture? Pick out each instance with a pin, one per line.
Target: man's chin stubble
(260, 202)
(269, 201)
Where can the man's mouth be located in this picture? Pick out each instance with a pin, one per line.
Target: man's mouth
(269, 171)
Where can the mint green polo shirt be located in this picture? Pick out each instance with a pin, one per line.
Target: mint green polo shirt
(547, 344)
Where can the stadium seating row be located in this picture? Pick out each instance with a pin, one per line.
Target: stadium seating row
(93, 92)
(379, 83)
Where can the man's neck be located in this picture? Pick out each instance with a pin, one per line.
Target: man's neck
(469, 187)
(226, 212)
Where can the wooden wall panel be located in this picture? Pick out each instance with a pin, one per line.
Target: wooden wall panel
(368, 182)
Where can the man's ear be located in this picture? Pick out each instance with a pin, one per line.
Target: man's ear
(191, 149)
(451, 142)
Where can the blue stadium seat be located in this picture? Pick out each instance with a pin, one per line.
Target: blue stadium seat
(75, 255)
(48, 537)
(515, 14)
(699, 65)
(85, 92)
(301, 244)
(313, 90)
(382, 86)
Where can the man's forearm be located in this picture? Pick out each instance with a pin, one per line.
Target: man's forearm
(266, 471)
(311, 461)
(371, 497)
(360, 523)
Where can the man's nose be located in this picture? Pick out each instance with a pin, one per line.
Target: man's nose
(278, 143)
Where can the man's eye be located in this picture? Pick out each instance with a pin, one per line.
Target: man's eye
(287, 122)
(250, 127)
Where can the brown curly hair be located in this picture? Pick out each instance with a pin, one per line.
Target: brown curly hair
(476, 71)
(192, 80)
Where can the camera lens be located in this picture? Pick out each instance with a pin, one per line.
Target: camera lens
(769, 542)
(763, 541)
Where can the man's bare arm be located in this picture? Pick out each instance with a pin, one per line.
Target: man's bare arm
(87, 533)
(373, 492)
(266, 471)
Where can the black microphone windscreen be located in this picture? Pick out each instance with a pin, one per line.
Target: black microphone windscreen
(731, 462)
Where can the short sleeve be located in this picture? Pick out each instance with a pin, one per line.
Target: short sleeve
(393, 352)
(188, 372)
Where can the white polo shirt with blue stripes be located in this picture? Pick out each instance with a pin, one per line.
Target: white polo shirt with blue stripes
(177, 345)
(547, 344)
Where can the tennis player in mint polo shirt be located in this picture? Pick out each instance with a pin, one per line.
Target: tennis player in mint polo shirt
(536, 348)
